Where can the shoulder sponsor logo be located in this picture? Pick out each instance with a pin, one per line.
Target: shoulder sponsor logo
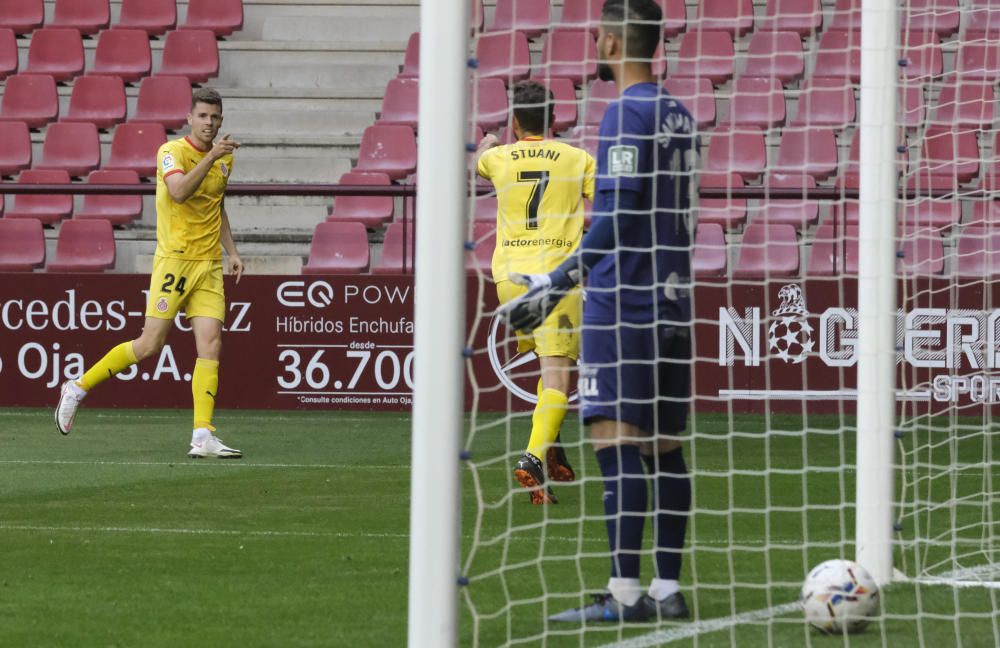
(623, 160)
(167, 163)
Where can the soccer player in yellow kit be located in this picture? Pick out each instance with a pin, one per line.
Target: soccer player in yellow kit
(192, 228)
(540, 184)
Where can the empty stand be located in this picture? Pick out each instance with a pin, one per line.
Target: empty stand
(124, 53)
(674, 17)
(978, 252)
(84, 246)
(491, 107)
(804, 17)
(726, 212)
(598, 96)
(912, 108)
(826, 102)
(411, 59)
(389, 149)
(22, 16)
(484, 238)
(192, 53)
(99, 100)
(15, 147)
(164, 99)
(950, 152)
(528, 16)
(581, 14)
(922, 53)
(57, 52)
(966, 103)
(503, 55)
(564, 95)
(370, 211)
(88, 16)
(775, 54)
(397, 256)
(697, 95)
(46, 208)
(733, 150)
(22, 245)
(984, 212)
(938, 16)
(155, 17)
(757, 101)
(930, 213)
(399, 104)
(709, 258)
(338, 248)
(733, 16)
(808, 150)
(767, 250)
(826, 253)
(707, 54)
(979, 56)
(486, 209)
(983, 19)
(117, 210)
(71, 146)
(8, 53)
(570, 54)
(920, 254)
(134, 147)
(477, 15)
(31, 98)
(220, 16)
(846, 15)
(798, 212)
(839, 55)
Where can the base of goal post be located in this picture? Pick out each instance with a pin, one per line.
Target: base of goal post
(985, 576)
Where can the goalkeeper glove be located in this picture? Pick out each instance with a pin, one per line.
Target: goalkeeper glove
(545, 291)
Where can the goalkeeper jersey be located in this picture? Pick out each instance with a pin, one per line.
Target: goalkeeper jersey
(540, 188)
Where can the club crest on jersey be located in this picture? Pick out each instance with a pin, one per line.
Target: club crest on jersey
(623, 160)
(168, 162)
(162, 305)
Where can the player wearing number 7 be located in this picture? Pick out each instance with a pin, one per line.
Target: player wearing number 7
(192, 228)
(540, 184)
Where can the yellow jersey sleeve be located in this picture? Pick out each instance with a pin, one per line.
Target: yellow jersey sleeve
(589, 173)
(483, 167)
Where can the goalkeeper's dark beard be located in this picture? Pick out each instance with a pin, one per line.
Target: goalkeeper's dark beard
(604, 72)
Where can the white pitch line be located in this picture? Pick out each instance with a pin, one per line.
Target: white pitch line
(182, 531)
(221, 417)
(703, 627)
(189, 462)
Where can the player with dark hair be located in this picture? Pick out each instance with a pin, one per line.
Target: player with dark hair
(192, 228)
(540, 184)
(636, 342)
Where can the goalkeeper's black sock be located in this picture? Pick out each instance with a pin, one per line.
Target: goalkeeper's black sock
(624, 505)
(672, 503)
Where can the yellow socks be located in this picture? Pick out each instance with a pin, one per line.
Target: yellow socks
(204, 386)
(546, 421)
(117, 359)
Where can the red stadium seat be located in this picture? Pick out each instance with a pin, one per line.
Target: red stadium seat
(984, 18)
(839, 55)
(674, 17)
(775, 54)
(528, 16)
(706, 54)
(808, 150)
(123, 53)
(911, 108)
(826, 102)
(411, 59)
(477, 15)
(22, 16)
(921, 254)
(581, 14)
(585, 137)
(397, 256)
(370, 211)
(727, 212)
(84, 246)
(979, 57)
(57, 52)
(193, 53)
(826, 253)
(741, 151)
(117, 210)
(564, 95)
(709, 258)
(338, 248)
(155, 17)
(399, 103)
(938, 16)
(503, 55)
(571, 54)
(484, 236)
(932, 213)
(220, 16)
(46, 208)
(73, 147)
(88, 16)
(598, 96)
(164, 99)
(846, 15)
(978, 252)
(134, 147)
(966, 104)
(767, 250)
(22, 245)
(733, 16)
(757, 102)
(15, 147)
(922, 51)
(491, 109)
(97, 99)
(950, 152)
(8, 53)
(984, 212)
(389, 149)
(697, 95)
(486, 209)
(31, 98)
(804, 17)
(799, 212)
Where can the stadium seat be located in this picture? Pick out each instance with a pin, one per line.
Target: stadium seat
(978, 252)
(707, 54)
(15, 147)
(775, 54)
(952, 152)
(570, 54)
(585, 137)
(220, 16)
(808, 150)
(57, 52)
(503, 55)
(984, 212)
(846, 16)
(370, 211)
(757, 101)
(920, 254)
(799, 212)
(697, 95)
(966, 104)
(532, 17)
(399, 102)
(118, 210)
(674, 17)
(22, 245)
(88, 16)
(729, 213)
(922, 52)
(709, 258)
(411, 59)
(484, 236)
(839, 55)
(733, 16)
(389, 149)
(8, 53)
(71, 146)
(598, 96)
(767, 250)
(938, 16)
(937, 214)
(804, 17)
(99, 100)
(84, 246)
(164, 99)
(48, 208)
(826, 252)
(564, 95)
(155, 17)
(193, 53)
(22, 16)
(124, 53)
(338, 248)
(31, 98)
(826, 102)
(477, 15)
(978, 56)
(395, 259)
(491, 109)
(486, 209)
(134, 147)
(581, 14)
(984, 18)
(911, 108)
(733, 150)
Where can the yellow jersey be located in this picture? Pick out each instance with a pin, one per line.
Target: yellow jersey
(190, 230)
(540, 188)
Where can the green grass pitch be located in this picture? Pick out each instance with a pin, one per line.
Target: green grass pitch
(112, 537)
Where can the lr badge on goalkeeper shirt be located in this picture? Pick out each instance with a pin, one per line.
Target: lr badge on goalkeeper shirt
(528, 311)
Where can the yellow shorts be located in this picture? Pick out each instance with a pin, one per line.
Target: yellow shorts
(192, 286)
(559, 334)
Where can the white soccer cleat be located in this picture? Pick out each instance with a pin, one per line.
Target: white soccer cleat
(213, 448)
(69, 400)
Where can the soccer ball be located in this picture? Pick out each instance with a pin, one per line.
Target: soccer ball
(839, 596)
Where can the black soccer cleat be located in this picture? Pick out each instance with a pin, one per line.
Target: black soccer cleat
(671, 608)
(530, 473)
(557, 463)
